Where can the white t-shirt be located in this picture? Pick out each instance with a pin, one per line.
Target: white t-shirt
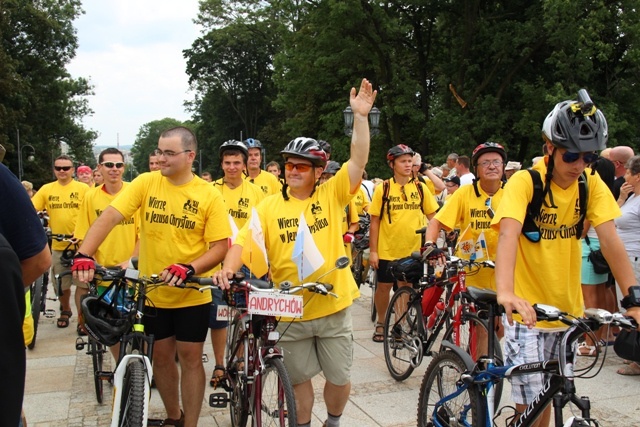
(368, 188)
(467, 178)
(628, 225)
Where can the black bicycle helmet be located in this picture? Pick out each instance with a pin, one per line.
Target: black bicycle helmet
(488, 147)
(232, 144)
(325, 146)
(305, 148)
(103, 321)
(67, 256)
(332, 167)
(253, 143)
(577, 126)
(397, 151)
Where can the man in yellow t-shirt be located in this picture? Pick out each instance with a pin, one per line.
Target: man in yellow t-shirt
(240, 197)
(392, 233)
(543, 266)
(85, 174)
(323, 340)
(62, 200)
(118, 247)
(474, 206)
(183, 231)
(267, 182)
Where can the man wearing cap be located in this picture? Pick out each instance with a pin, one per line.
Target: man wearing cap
(511, 168)
(85, 174)
(452, 184)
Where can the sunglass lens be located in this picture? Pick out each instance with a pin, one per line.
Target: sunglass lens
(569, 157)
(590, 158)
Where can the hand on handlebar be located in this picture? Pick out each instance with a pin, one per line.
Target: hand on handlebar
(222, 276)
(635, 313)
(175, 274)
(512, 303)
(83, 267)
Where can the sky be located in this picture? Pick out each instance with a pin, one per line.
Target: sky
(131, 51)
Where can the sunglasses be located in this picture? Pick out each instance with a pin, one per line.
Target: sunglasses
(110, 165)
(63, 168)
(588, 158)
(490, 212)
(301, 167)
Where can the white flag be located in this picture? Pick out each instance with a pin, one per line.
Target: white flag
(254, 251)
(306, 254)
(234, 230)
(481, 248)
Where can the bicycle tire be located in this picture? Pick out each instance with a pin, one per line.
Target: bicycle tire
(403, 333)
(238, 402)
(357, 268)
(36, 307)
(274, 400)
(96, 350)
(467, 342)
(372, 281)
(132, 403)
(440, 380)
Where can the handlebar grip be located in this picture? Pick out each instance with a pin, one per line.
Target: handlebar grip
(422, 230)
(202, 281)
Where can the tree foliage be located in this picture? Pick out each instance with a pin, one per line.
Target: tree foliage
(450, 75)
(39, 100)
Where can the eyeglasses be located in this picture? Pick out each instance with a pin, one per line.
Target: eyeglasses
(62, 168)
(490, 212)
(109, 165)
(168, 153)
(487, 163)
(301, 167)
(588, 158)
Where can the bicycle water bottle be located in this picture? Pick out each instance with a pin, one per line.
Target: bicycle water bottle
(434, 316)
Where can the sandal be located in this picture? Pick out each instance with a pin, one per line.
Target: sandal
(63, 322)
(378, 336)
(587, 350)
(631, 369)
(219, 378)
(174, 422)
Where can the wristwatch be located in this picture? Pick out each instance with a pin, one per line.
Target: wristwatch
(633, 299)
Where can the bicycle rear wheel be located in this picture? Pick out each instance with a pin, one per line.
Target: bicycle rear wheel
(403, 333)
(37, 299)
(440, 380)
(132, 403)
(372, 281)
(96, 350)
(275, 402)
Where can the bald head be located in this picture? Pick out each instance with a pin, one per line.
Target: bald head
(605, 153)
(619, 156)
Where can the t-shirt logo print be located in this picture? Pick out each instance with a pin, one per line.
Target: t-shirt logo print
(316, 208)
(243, 202)
(191, 207)
(415, 196)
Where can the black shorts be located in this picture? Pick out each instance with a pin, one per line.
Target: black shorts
(384, 275)
(188, 324)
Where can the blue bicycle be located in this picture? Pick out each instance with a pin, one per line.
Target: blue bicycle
(456, 391)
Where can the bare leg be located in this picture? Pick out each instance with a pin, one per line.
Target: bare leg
(192, 381)
(336, 397)
(304, 401)
(543, 419)
(167, 376)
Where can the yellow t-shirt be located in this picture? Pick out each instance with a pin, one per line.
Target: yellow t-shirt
(361, 201)
(240, 200)
(119, 244)
(398, 238)
(464, 208)
(548, 272)
(267, 182)
(62, 203)
(177, 223)
(323, 212)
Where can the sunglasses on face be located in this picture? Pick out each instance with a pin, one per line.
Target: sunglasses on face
(588, 158)
(490, 212)
(62, 168)
(110, 165)
(301, 167)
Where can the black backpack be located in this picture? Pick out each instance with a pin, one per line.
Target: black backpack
(529, 228)
(385, 197)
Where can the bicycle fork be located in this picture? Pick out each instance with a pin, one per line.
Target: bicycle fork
(118, 380)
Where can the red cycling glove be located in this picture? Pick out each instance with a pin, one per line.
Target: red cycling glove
(348, 237)
(82, 262)
(182, 271)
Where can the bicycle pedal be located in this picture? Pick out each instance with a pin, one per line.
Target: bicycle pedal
(218, 400)
(205, 358)
(80, 343)
(49, 313)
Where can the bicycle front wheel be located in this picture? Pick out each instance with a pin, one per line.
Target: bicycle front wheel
(37, 299)
(239, 403)
(97, 350)
(441, 380)
(275, 402)
(132, 403)
(403, 333)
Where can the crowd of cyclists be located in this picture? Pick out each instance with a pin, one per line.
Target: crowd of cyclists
(479, 205)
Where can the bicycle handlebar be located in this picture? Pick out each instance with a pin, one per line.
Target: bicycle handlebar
(261, 286)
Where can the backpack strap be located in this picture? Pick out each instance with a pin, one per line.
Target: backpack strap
(583, 195)
(421, 194)
(385, 200)
(529, 228)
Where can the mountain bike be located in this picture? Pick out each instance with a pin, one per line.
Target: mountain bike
(457, 391)
(132, 376)
(416, 317)
(258, 382)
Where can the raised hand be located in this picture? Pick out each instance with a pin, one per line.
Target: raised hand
(362, 102)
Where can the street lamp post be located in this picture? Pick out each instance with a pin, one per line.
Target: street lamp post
(374, 121)
(20, 161)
